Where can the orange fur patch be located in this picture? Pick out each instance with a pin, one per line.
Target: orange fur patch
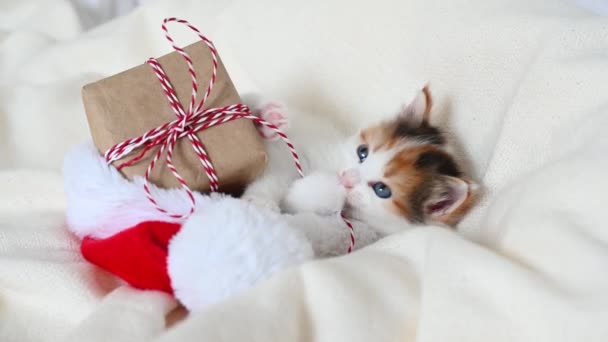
(403, 177)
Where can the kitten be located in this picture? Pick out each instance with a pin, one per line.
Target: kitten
(389, 177)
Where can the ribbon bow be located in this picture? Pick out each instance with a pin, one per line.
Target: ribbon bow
(187, 124)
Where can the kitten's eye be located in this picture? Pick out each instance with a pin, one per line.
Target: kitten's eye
(382, 190)
(362, 152)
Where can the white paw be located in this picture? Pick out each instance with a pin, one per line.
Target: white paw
(320, 193)
(262, 202)
(274, 113)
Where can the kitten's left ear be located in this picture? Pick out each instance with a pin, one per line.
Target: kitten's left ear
(450, 199)
(418, 111)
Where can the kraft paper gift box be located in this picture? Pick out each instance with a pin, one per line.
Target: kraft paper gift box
(132, 102)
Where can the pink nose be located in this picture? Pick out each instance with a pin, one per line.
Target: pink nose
(349, 178)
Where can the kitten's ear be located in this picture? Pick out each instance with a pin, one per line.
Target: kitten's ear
(450, 199)
(419, 109)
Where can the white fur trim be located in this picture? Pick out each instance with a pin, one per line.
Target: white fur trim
(101, 202)
(229, 247)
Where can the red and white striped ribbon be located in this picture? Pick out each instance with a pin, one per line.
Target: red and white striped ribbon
(187, 124)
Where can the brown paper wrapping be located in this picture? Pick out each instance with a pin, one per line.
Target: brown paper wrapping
(130, 103)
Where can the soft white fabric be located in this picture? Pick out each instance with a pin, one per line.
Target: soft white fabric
(521, 84)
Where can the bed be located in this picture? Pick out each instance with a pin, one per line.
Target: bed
(519, 84)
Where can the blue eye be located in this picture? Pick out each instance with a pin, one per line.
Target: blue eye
(382, 190)
(362, 152)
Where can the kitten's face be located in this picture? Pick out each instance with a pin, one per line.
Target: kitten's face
(399, 173)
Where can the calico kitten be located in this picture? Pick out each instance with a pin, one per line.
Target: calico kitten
(391, 176)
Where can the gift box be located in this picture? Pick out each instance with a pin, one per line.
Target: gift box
(132, 102)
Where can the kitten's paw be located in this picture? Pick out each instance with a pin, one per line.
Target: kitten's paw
(274, 113)
(320, 193)
(262, 203)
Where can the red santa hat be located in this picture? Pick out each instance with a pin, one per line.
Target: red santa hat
(226, 246)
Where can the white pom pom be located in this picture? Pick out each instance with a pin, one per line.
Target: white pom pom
(227, 247)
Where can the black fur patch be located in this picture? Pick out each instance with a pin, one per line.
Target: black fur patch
(426, 132)
(439, 162)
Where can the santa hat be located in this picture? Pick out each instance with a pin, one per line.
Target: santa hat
(226, 246)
